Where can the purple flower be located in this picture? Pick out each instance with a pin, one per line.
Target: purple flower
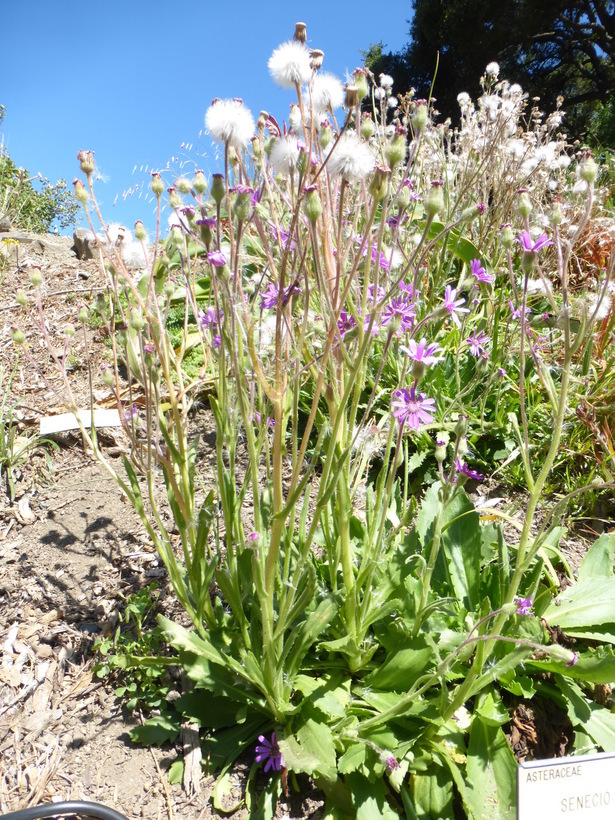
(269, 752)
(210, 318)
(516, 312)
(477, 342)
(532, 247)
(217, 259)
(524, 606)
(392, 763)
(149, 348)
(269, 299)
(402, 310)
(412, 408)
(422, 352)
(454, 305)
(479, 273)
(463, 468)
(345, 323)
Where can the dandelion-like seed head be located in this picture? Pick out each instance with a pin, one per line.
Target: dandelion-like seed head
(230, 122)
(289, 65)
(351, 158)
(327, 93)
(284, 154)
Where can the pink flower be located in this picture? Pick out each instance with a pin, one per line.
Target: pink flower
(479, 273)
(454, 305)
(412, 408)
(532, 247)
(422, 352)
(477, 342)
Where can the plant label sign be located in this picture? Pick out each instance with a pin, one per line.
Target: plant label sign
(575, 787)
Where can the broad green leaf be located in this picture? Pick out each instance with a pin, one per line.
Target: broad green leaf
(491, 709)
(461, 541)
(595, 720)
(594, 666)
(353, 759)
(598, 562)
(400, 671)
(432, 794)
(310, 750)
(588, 603)
(491, 773)
(176, 771)
(225, 796)
(369, 798)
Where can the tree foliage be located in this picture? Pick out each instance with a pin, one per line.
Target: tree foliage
(552, 48)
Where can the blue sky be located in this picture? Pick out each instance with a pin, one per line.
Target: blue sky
(132, 80)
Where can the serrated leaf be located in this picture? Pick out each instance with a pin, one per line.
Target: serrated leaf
(587, 604)
(593, 666)
(156, 731)
(353, 759)
(311, 750)
(597, 721)
(369, 798)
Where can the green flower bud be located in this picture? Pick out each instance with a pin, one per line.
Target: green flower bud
(507, 235)
(588, 170)
(442, 439)
(175, 200)
(108, 377)
(420, 116)
(36, 278)
(157, 185)
(242, 206)
(140, 232)
(169, 288)
(380, 182)
(524, 204)
(18, 336)
(136, 320)
(183, 185)
(359, 75)
(69, 331)
(177, 235)
(217, 190)
(312, 206)
(82, 316)
(562, 655)
(199, 182)
(326, 134)
(434, 201)
(395, 150)
(86, 161)
(81, 194)
(21, 298)
(367, 126)
(556, 217)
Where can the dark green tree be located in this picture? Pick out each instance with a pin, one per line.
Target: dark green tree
(551, 48)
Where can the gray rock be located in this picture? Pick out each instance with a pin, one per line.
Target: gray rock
(5, 224)
(84, 243)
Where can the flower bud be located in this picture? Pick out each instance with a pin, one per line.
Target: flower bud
(177, 235)
(556, 217)
(507, 235)
(442, 439)
(562, 655)
(157, 185)
(359, 76)
(434, 201)
(217, 190)
(21, 298)
(169, 288)
(136, 320)
(395, 150)
(404, 195)
(108, 377)
(325, 135)
(420, 116)
(312, 206)
(183, 185)
(380, 182)
(175, 200)
(199, 182)
(86, 161)
(36, 278)
(242, 206)
(524, 204)
(367, 126)
(69, 331)
(81, 194)
(82, 316)
(588, 170)
(18, 336)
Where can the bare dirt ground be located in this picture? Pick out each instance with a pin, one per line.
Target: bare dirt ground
(71, 552)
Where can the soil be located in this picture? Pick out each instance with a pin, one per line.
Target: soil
(71, 552)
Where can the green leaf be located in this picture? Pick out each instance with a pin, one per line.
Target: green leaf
(461, 542)
(432, 794)
(594, 666)
(491, 709)
(588, 603)
(156, 731)
(491, 772)
(598, 562)
(400, 671)
(369, 798)
(353, 759)
(595, 720)
(311, 750)
(176, 771)
(222, 796)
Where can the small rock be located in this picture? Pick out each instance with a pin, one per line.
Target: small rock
(77, 739)
(44, 651)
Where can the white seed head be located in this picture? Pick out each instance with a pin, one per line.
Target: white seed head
(229, 121)
(289, 65)
(351, 158)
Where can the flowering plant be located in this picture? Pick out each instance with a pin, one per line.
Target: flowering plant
(349, 292)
